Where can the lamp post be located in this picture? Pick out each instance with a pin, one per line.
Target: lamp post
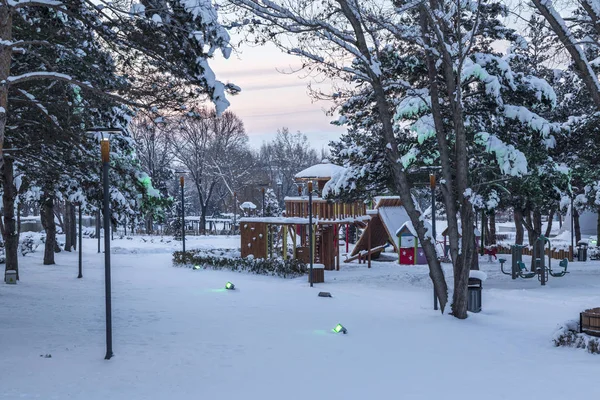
(234, 210)
(572, 255)
(98, 228)
(310, 233)
(279, 191)
(105, 150)
(80, 250)
(433, 233)
(181, 183)
(263, 201)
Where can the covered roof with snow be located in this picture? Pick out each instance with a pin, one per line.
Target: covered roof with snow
(409, 227)
(325, 170)
(248, 204)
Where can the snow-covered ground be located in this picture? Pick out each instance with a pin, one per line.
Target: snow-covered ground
(179, 335)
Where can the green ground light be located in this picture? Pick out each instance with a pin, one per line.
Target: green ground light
(339, 328)
(229, 286)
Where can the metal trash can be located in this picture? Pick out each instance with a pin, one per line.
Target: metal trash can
(10, 277)
(474, 299)
(582, 251)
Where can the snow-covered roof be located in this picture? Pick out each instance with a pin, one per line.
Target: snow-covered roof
(320, 171)
(393, 218)
(248, 204)
(408, 225)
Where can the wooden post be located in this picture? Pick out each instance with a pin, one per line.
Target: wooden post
(347, 236)
(416, 251)
(294, 237)
(369, 244)
(284, 245)
(337, 247)
(399, 247)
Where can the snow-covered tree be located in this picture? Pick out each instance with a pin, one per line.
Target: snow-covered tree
(450, 44)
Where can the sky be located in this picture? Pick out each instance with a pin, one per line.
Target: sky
(271, 99)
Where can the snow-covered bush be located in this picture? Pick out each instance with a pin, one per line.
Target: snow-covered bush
(231, 259)
(568, 334)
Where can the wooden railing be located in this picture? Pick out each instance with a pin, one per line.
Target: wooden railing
(324, 209)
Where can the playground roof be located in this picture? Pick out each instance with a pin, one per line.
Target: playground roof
(384, 224)
(408, 225)
(319, 171)
(248, 204)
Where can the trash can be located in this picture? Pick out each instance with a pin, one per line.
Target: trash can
(582, 251)
(474, 300)
(10, 277)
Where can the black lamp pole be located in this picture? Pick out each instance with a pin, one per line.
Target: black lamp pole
(572, 230)
(234, 210)
(310, 233)
(263, 201)
(98, 228)
(432, 185)
(80, 269)
(181, 183)
(105, 147)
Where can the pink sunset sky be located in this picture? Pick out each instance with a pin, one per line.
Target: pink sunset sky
(270, 99)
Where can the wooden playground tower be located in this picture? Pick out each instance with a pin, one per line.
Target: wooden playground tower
(258, 234)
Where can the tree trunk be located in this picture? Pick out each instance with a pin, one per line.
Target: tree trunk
(550, 219)
(492, 235)
(11, 238)
(577, 226)
(518, 217)
(529, 226)
(19, 207)
(47, 218)
(560, 220)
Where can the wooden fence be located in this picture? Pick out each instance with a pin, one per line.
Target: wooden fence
(557, 254)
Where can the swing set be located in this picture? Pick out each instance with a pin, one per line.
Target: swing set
(541, 270)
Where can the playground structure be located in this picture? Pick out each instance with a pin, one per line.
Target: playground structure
(259, 235)
(387, 218)
(410, 251)
(542, 253)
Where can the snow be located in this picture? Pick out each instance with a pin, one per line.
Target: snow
(323, 170)
(248, 204)
(409, 225)
(393, 218)
(482, 276)
(177, 334)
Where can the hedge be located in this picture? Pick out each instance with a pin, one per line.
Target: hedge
(231, 259)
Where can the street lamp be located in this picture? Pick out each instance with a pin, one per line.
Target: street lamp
(105, 150)
(279, 190)
(182, 183)
(263, 201)
(572, 224)
(433, 233)
(234, 210)
(310, 232)
(80, 236)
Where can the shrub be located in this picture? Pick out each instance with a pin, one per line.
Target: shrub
(231, 259)
(568, 334)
